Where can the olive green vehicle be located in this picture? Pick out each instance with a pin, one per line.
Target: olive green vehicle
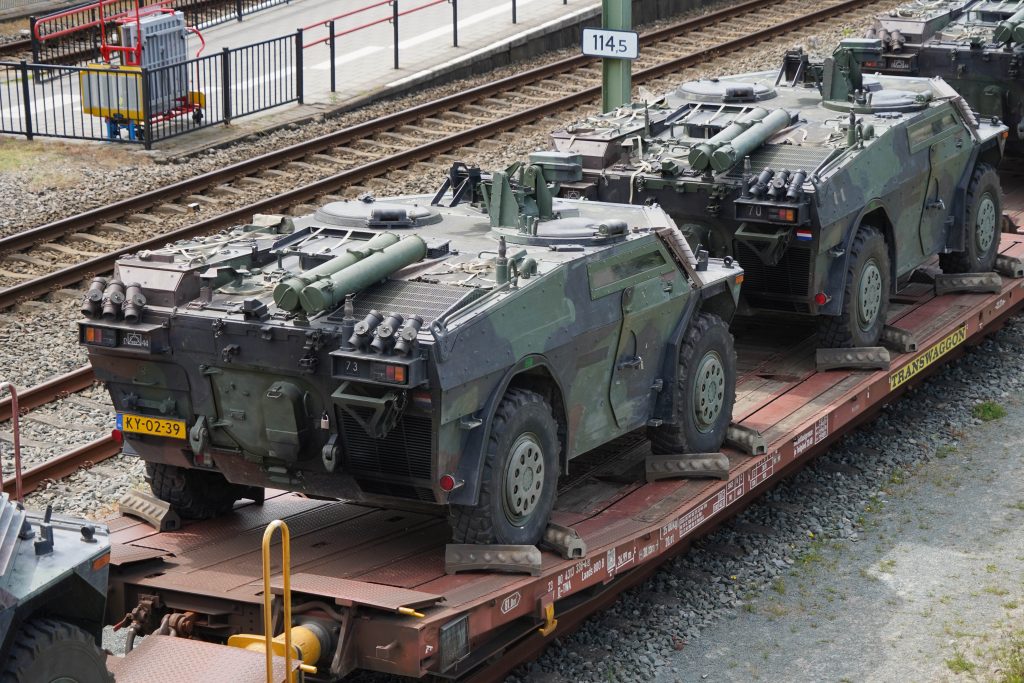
(830, 186)
(977, 46)
(459, 350)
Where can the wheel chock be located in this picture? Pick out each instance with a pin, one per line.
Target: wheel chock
(150, 509)
(898, 340)
(746, 439)
(968, 283)
(1010, 266)
(687, 466)
(857, 358)
(472, 557)
(564, 541)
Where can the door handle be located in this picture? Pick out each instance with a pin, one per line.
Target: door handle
(635, 363)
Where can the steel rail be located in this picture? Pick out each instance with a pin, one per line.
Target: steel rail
(63, 465)
(111, 212)
(104, 263)
(50, 390)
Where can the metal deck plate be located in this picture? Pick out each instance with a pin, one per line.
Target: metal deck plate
(348, 593)
(163, 659)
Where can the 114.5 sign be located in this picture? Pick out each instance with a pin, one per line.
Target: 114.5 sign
(604, 42)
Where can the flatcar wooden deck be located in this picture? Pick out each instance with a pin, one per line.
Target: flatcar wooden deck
(366, 562)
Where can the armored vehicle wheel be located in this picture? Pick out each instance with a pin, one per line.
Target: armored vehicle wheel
(194, 494)
(983, 217)
(520, 476)
(865, 295)
(705, 392)
(54, 651)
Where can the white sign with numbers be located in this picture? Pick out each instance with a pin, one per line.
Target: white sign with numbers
(605, 42)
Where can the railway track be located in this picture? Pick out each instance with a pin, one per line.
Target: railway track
(98, 444)
(351, 158)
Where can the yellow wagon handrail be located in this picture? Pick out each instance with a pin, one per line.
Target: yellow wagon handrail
(286, 575)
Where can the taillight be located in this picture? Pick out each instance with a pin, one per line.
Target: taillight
(389, 372)
(117, 436)
(99, 336)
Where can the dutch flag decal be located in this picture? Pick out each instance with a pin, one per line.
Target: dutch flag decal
(804, 235)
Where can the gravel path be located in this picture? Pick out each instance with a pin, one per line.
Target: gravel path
(831, 576)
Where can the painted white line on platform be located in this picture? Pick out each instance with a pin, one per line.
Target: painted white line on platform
(348, 57)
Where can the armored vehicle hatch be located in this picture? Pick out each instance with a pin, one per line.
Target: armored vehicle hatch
(976, 46)
(829, 184)
(458, 349)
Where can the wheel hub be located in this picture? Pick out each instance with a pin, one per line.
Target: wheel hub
(524, 478)
(708, 391)
(985, 224)
(870, 295)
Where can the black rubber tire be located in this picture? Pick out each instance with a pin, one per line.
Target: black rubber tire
(194, 494)
(984, 184)
(844, 330)
(520, 412)
(45, 650)
(708, 334)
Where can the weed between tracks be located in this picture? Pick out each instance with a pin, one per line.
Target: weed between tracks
(988, 411)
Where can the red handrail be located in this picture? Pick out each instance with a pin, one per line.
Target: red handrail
(15, 428)
(386, 19)
(347, 14)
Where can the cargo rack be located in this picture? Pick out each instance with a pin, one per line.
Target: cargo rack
(367, 563)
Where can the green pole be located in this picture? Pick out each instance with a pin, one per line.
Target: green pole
(616, 74)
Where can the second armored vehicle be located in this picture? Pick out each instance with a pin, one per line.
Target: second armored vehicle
(977, 46)
(53, 587)
(458, 351)
(828, 185)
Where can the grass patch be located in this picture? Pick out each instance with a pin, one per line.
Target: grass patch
(1011, 661)
(959, 664)
(779, 586)
(944, 451)
(998, 591)
(887, 566)
(987, 411)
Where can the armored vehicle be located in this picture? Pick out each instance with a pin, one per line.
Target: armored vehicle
(828, 185)
(53, 587)
(976, 46)
(458, 350)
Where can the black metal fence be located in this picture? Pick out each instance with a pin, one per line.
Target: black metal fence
(136, 105)
(72, 35)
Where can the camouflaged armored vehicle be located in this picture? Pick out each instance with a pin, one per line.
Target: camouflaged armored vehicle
(53, 592)
(828, 185)
(458, 350)
(976, 46)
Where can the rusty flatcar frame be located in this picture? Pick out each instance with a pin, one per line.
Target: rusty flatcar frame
(366, 562)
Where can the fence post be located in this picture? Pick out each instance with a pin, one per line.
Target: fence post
(26, 93)
(394, 20)
(225, 83)
(330, 27)
(147, 112)
(513, 11)
(298, 64)
(238, 9)
(35, 41)
(455, 23)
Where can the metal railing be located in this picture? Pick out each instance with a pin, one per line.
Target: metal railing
(140, 105)
(72, 35)
(393, 17)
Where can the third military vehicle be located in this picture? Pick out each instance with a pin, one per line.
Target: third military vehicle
(459, 349)
(829, 185)
(977, 46)
(53, 592)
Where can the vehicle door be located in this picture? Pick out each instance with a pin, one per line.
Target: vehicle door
(947, 142)
(651, 298)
